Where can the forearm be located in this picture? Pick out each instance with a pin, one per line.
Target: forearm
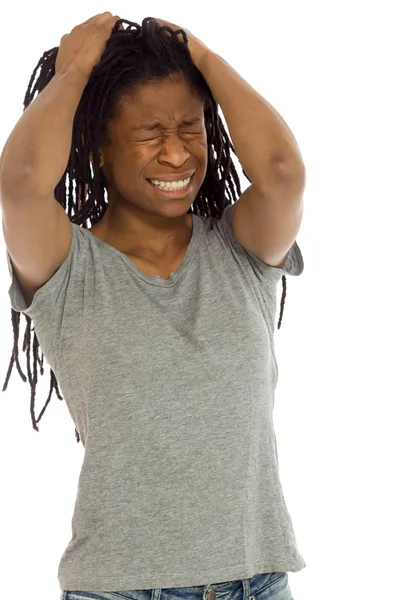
(36, 152)
(259, 134)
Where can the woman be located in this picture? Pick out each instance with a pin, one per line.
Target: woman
(158, 320)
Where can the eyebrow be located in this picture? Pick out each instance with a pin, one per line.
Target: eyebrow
(158, 125)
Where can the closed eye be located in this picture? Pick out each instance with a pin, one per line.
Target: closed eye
(183, 133)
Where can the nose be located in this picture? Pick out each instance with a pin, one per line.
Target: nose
(173, 150)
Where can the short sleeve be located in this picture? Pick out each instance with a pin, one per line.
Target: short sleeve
(294, 264)
(45, 296)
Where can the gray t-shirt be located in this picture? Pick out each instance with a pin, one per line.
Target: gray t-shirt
(171, 386)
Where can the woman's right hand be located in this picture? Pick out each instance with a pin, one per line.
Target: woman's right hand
(83, 47)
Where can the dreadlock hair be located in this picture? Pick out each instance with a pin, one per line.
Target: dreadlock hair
(133, 56)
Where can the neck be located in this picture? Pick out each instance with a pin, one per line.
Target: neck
(161, 238)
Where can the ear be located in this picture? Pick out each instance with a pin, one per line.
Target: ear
(101, 157)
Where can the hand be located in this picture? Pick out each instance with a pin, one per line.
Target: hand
(197, 49)
(83, 47)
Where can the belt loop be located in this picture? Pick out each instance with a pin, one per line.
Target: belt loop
(246, 589)
(205, 592)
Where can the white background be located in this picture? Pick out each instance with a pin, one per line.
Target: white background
(331, 69)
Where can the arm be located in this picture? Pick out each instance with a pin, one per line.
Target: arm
(36, 152)
(267, 216)
(260, 136)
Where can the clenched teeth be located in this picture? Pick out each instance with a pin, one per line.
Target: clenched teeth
(171, 184)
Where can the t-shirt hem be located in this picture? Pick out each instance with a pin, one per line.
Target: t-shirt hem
(112, 584)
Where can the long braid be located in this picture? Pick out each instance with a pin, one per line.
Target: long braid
(137, 55)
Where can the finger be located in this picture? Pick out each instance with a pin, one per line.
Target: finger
(93, 18)
(105, 18)
(107, 22)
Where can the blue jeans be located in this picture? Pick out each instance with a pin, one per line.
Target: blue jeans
(266, 586)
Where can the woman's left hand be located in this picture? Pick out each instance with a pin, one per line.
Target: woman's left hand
(197, 49)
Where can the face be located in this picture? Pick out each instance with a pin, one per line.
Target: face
(133, 153)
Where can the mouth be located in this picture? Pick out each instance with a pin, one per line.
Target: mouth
(173, 192)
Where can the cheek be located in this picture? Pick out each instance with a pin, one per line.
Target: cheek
(199, 148)
(204, 155)
(123, 165)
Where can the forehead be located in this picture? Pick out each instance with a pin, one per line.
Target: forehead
(166, 102)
